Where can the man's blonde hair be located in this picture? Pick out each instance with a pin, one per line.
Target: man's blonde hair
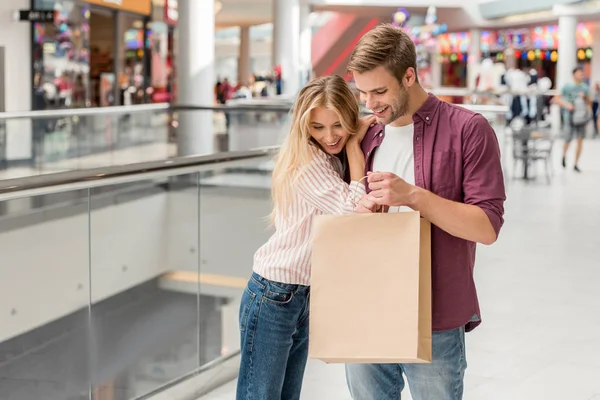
(387, 46)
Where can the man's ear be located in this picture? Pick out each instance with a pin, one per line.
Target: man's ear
(410, 77)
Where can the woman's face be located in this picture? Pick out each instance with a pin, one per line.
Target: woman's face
(326, 129)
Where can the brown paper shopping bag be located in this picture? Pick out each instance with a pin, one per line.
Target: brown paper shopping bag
(370, 298)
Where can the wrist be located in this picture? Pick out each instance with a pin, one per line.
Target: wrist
(417, 198)
(353, 145)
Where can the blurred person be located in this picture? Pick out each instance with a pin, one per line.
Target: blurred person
(595, 104)
(575, 103)
(443, 161)
(318, 171)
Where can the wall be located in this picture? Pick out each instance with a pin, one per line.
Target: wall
(503, 8)
(15, 37)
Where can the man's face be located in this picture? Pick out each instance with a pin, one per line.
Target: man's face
(578, 76)
(382, 93)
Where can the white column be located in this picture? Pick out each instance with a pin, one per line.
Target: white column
(436, 69)
(244, 58)
(595, 74)
(305, 44)
(567, 50)
(196, 78)
(474, 58)
(286, 43)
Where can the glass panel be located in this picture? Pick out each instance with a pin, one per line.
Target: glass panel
(144, 268)
(232, 130)
(44, 293)
(50, 145)
(234, 206)
(73, 143)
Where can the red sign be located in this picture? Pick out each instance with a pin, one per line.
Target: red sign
(172, 11)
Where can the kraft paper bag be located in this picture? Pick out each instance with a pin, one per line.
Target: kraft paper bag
(370, 298)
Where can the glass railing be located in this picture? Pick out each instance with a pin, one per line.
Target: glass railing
(127, 281)
(43, 142)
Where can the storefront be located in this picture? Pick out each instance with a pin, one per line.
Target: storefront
(535, 48)
(453, 49)
(162, 52)
(94, 54)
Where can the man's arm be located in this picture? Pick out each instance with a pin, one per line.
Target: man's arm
(559, 99)
(480, 217)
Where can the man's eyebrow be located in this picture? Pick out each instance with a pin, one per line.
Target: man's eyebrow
(379, 89)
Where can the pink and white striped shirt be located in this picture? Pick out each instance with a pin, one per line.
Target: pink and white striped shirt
(319, 189)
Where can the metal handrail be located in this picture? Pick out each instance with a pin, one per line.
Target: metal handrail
(81, 112)
(136, 109)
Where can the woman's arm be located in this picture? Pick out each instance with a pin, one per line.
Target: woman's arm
(322, 187)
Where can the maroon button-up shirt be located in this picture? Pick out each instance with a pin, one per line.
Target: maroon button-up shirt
(457, 157)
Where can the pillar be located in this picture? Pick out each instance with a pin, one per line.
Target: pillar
(305, 56)
(567, 50)
(196, 78)
(244, 60)
(286, 43)
(474, 58)
(436, 69)
(595, 74)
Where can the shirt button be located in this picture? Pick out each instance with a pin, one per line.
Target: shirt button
(369, 153)
(381, 134)
(417, 138)
(427, 118)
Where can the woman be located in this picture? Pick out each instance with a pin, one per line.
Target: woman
(318, 171)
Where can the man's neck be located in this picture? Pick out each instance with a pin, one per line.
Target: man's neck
(418, 96)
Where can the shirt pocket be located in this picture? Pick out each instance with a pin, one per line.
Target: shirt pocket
(443, 171)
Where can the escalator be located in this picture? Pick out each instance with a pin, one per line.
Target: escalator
(333, 43)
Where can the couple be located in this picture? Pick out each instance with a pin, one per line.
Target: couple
(436, 158)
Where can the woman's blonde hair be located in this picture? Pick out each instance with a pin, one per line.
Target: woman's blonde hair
(330, 92)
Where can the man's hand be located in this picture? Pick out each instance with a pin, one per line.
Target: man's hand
(390, 190)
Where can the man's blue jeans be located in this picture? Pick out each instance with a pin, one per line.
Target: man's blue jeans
(274, 340)
(440, 380)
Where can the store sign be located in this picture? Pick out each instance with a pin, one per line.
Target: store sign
(171, 12)
(135, 6)
(36, 16)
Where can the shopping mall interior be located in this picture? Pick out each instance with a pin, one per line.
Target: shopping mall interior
(138, 141)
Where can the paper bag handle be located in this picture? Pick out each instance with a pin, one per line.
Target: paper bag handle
(356, 201)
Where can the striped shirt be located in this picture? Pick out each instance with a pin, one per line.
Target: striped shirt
(318, 189)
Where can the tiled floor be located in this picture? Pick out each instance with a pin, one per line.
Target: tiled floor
(538, 288)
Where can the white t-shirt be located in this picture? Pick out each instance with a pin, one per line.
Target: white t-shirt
(396, 155)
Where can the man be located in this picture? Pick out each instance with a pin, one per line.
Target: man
(575, 102)
(443, 161)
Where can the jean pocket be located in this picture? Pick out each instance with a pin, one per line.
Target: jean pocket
(245, 306)
(279, 293)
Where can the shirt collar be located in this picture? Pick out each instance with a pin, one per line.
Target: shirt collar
(428, 110)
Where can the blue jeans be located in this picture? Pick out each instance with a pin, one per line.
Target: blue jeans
(440, 380)
(274, 340)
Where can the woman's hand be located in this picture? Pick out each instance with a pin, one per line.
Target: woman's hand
(363, 126)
